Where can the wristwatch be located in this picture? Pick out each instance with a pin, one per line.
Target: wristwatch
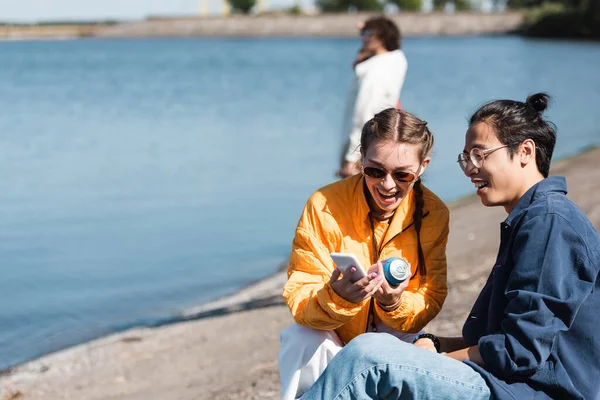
(432, 337)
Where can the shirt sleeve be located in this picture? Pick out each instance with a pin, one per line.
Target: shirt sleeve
(420, 305)
(550, 280)
(308, 294)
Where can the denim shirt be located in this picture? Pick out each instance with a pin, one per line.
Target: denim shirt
(536, 319)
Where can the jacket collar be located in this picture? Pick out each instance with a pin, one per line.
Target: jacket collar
(540, 189)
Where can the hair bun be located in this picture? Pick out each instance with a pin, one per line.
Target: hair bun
(539, 102)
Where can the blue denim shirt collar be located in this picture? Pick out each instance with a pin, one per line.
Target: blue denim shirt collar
(542, 188)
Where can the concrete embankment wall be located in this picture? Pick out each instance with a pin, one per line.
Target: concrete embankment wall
(411, 24)
(26, 32)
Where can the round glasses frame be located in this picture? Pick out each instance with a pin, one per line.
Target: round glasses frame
(477, 156)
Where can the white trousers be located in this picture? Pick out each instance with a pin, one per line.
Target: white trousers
(304, 354)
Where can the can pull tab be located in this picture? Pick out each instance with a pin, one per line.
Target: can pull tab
(396, 270)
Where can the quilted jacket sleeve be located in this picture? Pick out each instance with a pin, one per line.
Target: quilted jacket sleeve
(310, 298)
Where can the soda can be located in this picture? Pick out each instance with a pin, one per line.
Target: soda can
(396, 270)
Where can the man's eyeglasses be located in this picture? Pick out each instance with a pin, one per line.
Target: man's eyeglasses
(399, 176)
(477, 156)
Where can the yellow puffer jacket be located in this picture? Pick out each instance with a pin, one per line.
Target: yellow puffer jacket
(336, 219)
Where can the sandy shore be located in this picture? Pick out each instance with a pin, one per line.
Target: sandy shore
(228, 349)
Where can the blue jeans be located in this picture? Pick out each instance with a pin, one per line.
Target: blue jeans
(379, 366)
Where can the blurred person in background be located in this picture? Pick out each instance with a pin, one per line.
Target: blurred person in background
(380, 68)
(382, 213)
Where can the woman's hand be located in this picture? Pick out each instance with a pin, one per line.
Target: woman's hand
(355, 292)
(387, 296)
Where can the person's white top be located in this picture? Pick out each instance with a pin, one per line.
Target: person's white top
(379, 82)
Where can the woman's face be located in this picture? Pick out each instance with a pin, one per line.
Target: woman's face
(396, 162)
(371, 43)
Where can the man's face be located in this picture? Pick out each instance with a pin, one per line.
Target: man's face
(499, 179)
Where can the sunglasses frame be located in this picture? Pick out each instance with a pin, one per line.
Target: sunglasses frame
(386, 173)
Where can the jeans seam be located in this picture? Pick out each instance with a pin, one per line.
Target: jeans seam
(417, 369)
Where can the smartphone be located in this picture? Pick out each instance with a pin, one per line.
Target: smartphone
(345, 261)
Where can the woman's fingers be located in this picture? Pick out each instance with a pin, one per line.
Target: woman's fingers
(357, 291)
(335, 275)
(368, 285)
(377, 286)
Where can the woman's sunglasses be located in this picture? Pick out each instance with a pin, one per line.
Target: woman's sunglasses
(399, 176)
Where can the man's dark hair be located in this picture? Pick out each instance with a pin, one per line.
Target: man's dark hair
(515, 121)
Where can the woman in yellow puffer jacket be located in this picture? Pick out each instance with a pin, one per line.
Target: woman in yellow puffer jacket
(383, 212)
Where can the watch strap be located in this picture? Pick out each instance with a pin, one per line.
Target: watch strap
(432, 337)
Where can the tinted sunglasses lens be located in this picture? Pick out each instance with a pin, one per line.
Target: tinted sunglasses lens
(373, 172)
(402, 176)
(365, 32)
